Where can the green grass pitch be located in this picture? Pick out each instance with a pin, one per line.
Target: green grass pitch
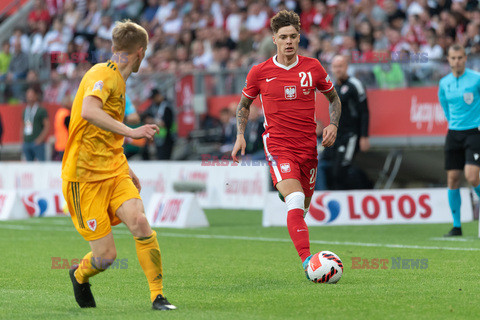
(238, 270)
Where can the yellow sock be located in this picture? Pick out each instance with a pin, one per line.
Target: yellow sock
(148, 253)
(86, 269)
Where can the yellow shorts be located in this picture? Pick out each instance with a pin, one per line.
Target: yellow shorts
(93, 205)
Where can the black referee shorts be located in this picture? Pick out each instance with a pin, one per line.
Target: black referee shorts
(462, 147)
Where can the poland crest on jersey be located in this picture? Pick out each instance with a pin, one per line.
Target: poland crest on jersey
(468, 97)
(290, 92)
(285, 167)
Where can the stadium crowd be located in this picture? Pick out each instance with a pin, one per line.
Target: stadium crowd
(391, 43)
(218, 35)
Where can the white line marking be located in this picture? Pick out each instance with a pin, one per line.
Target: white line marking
(452, 239)
(244, 238)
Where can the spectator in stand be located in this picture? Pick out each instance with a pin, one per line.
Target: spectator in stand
(54, 7)
(201, 59)
(161, 113)
(38, 46)
(163, 12)
(61, 122)
(245, 42)
(32, 78)
(20, 36)
(39, 13)
(35, 126)
(105, 29)
(234, 21)
(389, 75)
(5, 58)
(472, 39)
(57, 89)
(307, 15)
(432, 49)
(173, 24)
(380, 40)
(17, 71)
(71, 16)
(149, 11)
(266, 47)
(257, 17)
(57, 39)
(88, 26)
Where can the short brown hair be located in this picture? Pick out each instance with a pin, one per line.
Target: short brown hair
(284, 19)
(127, 36)
(456, 47)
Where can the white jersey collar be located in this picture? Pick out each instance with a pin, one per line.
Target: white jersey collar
(278, 64)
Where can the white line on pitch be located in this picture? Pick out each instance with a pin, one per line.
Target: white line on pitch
(226, 237)
(454, 239)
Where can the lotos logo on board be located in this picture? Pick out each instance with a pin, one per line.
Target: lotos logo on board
(40, 204)
(35, 205)
(323, 209)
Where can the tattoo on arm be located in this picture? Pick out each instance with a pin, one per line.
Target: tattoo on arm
(243, 111)
(335, 107)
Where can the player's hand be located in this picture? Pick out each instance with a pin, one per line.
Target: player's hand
(135, 180)
(146, 131)
(240, 144)
(364, 144)
(329, 135)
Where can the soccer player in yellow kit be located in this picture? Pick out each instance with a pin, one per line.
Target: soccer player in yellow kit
(100, 189)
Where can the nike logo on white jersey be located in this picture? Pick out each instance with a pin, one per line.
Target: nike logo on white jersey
(268, 80)
(475, 155)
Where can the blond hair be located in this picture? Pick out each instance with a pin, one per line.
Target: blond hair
(128, 36)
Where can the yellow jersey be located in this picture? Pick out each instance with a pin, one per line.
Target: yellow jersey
(94, 154)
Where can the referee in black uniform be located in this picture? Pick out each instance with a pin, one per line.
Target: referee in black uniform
(352, 134)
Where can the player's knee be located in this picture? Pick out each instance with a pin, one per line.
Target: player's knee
(472, 178)
(105, 259)
(453, 182)
(142, 225)
(295, 200)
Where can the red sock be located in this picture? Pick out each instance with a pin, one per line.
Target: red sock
(298, 230)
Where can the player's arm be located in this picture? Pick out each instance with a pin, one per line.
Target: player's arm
(335, 110)
(92, 111)
(443, 101)
(243, 111)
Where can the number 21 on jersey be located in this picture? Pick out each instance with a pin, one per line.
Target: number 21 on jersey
(304, 82)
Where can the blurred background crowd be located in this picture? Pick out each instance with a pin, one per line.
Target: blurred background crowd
(218, 35)
(390, 43)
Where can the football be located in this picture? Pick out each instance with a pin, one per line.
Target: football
(324, 267)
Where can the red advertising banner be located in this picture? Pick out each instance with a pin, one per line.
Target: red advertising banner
(401, 112)
(12, 121)
(185, 114)
(393, 113)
